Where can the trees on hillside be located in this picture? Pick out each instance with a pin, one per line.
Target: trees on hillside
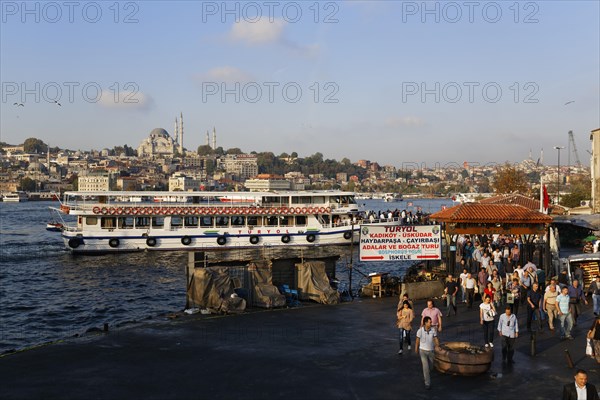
(510, 180)
(33, 145)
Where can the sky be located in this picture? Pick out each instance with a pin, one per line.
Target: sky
(396, 82)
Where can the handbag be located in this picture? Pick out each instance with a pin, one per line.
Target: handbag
(510, 298)
(589, 350)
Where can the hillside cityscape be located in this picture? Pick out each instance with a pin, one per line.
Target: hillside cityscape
(160, 162)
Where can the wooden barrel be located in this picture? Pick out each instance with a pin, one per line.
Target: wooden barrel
(463, 358)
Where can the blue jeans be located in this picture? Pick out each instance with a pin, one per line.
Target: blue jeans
(596, 303)
(403, 334)
(566, 323)
(450, 301)
(427, 361)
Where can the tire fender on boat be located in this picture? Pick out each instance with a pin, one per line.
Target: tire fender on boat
(347, 234)
(75, 242)
(114, 242)
(221, 240)
(310, 238)
(254, 239)
(151, 242)
(186, 240)
(285, 239)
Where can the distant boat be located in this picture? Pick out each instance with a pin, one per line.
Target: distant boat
(54, 227)
(15, 197)
(389, 197)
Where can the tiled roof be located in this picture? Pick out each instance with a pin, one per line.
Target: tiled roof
(513, 198)
(486, 213)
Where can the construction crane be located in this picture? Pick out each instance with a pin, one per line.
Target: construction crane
(572, 143)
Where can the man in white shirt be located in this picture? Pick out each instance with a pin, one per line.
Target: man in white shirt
(508, 328)
(425, 345)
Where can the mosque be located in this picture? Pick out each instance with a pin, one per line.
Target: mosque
(160, 144)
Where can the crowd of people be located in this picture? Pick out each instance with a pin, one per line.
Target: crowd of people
(501, 295)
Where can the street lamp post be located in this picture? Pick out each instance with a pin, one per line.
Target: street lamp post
(558, 148)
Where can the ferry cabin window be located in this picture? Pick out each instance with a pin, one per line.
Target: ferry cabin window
(302, 200)
(142, 222)
(274, 201)
(125, 222)
(300, 220)
(176, 221)
(285, 220)
(190, 221)
(206, 222)
(108, 222)
(237, 220)
(318, 200)
(222, 221)
(158, 222)
(347, 200)
(254, 221)
(91, 220)
(271, 220)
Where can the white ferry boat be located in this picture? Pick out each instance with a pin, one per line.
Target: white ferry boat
(112, 222)
(15, 197)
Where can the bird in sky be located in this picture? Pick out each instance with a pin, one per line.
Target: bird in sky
(569, 102)
(19, 104)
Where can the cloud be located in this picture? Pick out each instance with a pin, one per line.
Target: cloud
(265, 31)
(260, 32)
(225, 74)
(404, 122)
(125, 99)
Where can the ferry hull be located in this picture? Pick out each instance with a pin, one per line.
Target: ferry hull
(79, 244)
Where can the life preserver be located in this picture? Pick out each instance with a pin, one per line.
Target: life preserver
(286, 238)
(135, 210)
(284, 210)
(126, 210)
(96, 210)
(119, 210)
(347, 234)
(298, 210)
(104, 210)
(221, 240)
(304, 210)
(250, 211)
(75, 242)
(327, 210)
(254, 239)
(177, 210)
(185, 211)
(310, 238)
(322, 210)
(114, 242)
(151, 242)
(186, 240)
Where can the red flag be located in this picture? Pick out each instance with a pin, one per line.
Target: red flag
(546, 198)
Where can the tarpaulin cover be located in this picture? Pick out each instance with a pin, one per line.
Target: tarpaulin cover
(212, 288)
(313, 283)
(264, 294)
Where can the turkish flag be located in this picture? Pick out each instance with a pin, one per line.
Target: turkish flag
(546, 199)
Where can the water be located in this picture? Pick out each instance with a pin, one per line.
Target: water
(46, 294)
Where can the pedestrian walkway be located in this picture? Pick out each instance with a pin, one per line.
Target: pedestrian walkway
(330, 352)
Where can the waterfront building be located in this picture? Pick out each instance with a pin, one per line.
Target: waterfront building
(182, 182)
(243, 166)
(96, 181)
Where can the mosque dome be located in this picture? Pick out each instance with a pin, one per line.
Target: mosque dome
(159, 132)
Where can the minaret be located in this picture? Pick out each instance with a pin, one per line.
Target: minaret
(214, 138)
(48, 158)
(176, 132)
(181, 133)
(542, 157)
(207, 138)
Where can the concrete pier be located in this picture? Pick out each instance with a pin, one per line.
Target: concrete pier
(310, 352)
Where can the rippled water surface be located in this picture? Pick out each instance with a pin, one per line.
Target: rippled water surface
(47, 294)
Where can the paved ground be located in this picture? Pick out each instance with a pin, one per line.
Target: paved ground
(311, 352)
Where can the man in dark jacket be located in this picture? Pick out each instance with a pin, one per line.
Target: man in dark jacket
(576, 390)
